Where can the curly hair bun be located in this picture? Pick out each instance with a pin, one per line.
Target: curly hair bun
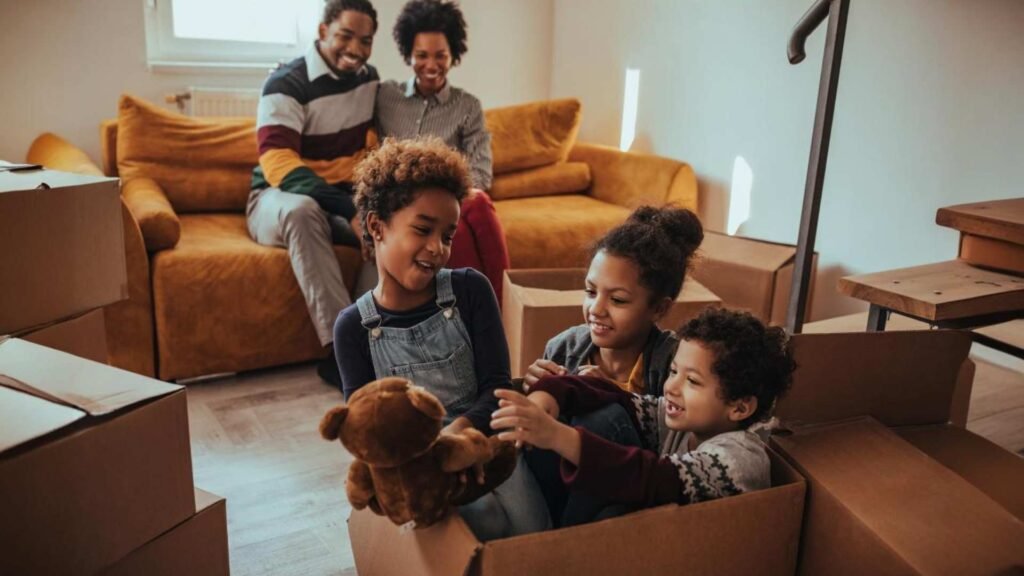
(679, 225)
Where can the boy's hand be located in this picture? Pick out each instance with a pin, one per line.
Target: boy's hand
(545, 402)
(540, 369)
(523, 421)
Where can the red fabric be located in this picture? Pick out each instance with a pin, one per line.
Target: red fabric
(480, 240)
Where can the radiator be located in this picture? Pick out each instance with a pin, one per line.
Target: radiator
(216, 101)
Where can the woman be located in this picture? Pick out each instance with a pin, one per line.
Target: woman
(431, 37)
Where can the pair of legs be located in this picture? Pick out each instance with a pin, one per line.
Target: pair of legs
(297, 223)
(573, 507)
(515, 508)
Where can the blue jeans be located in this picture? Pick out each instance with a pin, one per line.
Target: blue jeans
(573, 507)
(515, 508)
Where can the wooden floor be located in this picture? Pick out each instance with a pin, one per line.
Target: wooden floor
(255, 442)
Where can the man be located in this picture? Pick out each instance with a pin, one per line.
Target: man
(313, 126)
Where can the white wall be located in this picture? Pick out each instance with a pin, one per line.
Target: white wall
(930, 112)
(65, 62)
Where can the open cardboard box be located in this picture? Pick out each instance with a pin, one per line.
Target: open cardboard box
(94, 461)
(196, 547)
(748, 274)
(893, 488)
(61, 247)
(754, 533)
(539, 304)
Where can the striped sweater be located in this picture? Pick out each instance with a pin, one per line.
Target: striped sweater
(664, 470)
(313, 127)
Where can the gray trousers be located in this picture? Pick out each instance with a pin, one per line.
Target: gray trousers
(296, 222)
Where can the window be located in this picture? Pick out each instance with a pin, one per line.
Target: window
(228, 34)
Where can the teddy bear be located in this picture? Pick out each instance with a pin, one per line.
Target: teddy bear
(404, 468)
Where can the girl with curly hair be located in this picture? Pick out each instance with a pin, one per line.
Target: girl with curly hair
(438, 327)
(636, 272)
(431, 38)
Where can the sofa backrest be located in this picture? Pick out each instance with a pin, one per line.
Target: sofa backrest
(202, 164)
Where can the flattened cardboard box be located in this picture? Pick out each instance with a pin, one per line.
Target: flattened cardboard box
(539, 304)
(748, 274)
(94, 461)
(61, 248)
(84, 336)
(921, 497)
(754, 533)
(196, 547)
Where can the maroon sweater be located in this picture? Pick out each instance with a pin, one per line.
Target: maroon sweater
(663, 471)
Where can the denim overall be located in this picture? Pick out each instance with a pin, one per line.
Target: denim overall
(437, 354)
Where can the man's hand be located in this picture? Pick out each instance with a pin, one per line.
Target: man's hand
(540, 369)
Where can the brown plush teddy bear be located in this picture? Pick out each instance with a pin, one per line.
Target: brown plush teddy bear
(404, 469)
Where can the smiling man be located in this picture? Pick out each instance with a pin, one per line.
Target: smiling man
(313, 126)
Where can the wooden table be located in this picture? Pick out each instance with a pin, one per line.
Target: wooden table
(1000, 219)
(949, 294)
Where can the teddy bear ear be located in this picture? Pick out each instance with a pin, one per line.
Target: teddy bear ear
(425, 402)
(330, 424)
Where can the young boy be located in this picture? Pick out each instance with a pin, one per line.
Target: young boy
(726, 375)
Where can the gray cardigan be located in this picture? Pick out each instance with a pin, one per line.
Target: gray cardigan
(573, 348)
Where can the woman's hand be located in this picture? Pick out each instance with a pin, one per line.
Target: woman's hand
(540, 369)
(523, 421)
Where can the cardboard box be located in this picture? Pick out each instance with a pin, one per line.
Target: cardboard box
(196, 547)
(539, 304)
(878, 505)
(892, 486)
(94, 461)
(748, 274)
(992, 253)
(61, 248)
(754, 533)
(84, 336)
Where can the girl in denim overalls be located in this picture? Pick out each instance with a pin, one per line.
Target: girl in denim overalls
(439, 328)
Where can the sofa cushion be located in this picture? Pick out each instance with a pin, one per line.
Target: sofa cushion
(203, 165)
(555, 231)
(550, 180)
(531, 135)
(224, 303)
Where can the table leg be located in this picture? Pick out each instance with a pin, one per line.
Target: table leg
(877, 316)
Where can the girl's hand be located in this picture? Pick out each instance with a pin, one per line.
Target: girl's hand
(540, 369)
(592, 370)
(523, 421)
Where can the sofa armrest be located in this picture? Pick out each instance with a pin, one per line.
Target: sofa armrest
(56, 153)
(631, 179)
(150, 207)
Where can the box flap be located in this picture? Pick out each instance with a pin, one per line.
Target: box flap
(205, 499)
(900, 378)
(380, 547)
(62, 378)
(932, 519)
(24, 417)
(993, 470)
(32, 179)
(739, 251)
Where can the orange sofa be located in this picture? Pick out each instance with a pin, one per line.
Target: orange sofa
(206, 299)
